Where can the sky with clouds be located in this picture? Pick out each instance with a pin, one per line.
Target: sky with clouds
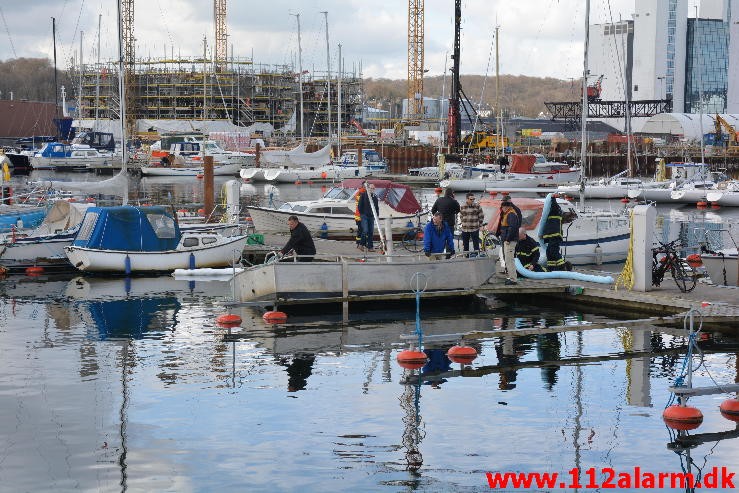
(541, 38)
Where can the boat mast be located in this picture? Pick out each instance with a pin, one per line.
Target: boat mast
(584, 113)
(300, 77)
(328, 78)
(56, 86)
(79, 94)
(97, 77)
(338, 110)
(122, 98)
(700, 109)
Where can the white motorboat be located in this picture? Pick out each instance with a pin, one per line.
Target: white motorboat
(45, 244)
(371, 161)
(595, 237)
(130, 239)
(616, 187)
(688, 183)
(493, 180)
(296, 157)
(252, 174)
(536, 165)
(726, 198)
(342, 277)
(59, 156)
(451, 171)
(722, 266)
(329, 172)
(183, 170)
(333, 214)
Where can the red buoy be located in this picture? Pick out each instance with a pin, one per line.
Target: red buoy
(89, 200)
(438, 190)
(625, 200)
(297, 182)
(34, 270)
(694, 260)
(682, 417)
(702, 203)
(201, 212)
(493, 194)
(275, 317)
(714, 205)
(730, 409)
(228, 320)
(462, 354)
(412, 360)
(199, 176)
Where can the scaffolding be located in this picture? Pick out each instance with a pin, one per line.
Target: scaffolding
(243, 93)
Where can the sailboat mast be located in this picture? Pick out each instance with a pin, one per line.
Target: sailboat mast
(300, 76)
(584, 114)
(79, 94)
(122, 98)
(56, 86)
(97, 78)
(339, 76)
(328, 78)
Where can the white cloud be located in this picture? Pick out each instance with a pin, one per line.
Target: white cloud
(537, 37)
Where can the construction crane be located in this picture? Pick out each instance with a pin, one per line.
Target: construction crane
(732, 137)
(129, 63)
(219, 15)
(415, 58)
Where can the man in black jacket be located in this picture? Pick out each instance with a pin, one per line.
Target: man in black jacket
(508, 234)
(300, 240)
(448, 206)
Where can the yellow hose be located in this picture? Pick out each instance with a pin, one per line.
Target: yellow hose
(626, 277)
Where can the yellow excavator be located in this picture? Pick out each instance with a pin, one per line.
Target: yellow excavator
(481, 140)
(732, 148)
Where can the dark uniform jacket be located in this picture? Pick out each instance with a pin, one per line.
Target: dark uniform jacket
(527, 251)
(553, 224)
(364, 205)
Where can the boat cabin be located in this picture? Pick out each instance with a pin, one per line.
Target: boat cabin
(129, 228)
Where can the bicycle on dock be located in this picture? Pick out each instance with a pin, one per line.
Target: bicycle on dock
(666, 258)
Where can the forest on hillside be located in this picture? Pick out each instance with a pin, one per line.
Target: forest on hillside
(33, 79)
(519, 95)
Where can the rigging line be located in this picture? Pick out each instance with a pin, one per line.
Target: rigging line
(482, 92)
(10, 38)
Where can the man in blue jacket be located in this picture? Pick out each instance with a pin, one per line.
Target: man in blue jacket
(367, 200)
(437, 236)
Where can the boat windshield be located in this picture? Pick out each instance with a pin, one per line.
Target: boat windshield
(340, 193)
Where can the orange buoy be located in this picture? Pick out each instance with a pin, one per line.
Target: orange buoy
(412, 360)
(493, 194)
(201, 212)
(324, 175)
(275, 317)
(730, 409)
(462, 354)
(694, 260)
(438, 190)
(702, 203)
(34, 270)
(705, 304)
(714, 205)
(89, 200)
(199, 176)
(228, 320)
(297, 182)
(625, 200)
(682, 417)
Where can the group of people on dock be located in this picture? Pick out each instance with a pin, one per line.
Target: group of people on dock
(438, 238)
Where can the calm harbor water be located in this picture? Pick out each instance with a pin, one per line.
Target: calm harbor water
(129, 385)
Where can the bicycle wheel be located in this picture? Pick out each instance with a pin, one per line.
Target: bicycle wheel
(684, 276)
(413, 240)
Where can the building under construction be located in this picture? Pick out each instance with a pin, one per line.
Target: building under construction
(240, 93)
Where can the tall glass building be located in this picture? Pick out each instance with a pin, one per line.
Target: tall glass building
(706, 65)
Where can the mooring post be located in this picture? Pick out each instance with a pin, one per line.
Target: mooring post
(208, 188)
(233, 189)
(389, 238)
(643, 218)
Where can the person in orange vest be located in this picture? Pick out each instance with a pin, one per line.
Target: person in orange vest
(508, 234)
(358, 219)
